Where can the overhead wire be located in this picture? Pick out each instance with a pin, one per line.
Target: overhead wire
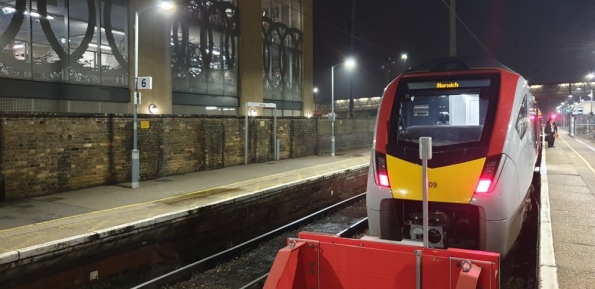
(468, 29)
(336, 28)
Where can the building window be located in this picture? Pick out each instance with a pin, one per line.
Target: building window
(282, 49)
(76, 41)
(204, 48)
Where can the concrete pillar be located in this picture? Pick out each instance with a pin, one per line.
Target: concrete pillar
(154, 55)
(250, 54)
(308, 57)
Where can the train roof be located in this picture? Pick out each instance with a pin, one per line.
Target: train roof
(457, 64)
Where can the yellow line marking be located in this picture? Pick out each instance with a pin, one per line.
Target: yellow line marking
(160, 200)
(585, 161)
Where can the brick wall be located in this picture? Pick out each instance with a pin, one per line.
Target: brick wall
(44, 153)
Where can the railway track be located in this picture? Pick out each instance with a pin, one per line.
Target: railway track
(249, 269)
(186, 272)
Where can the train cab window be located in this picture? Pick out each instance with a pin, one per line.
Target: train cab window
(521, 122)
(452, 112)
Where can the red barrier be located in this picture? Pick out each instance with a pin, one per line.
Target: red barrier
(327, 261)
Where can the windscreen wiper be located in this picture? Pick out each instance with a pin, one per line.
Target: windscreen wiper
(402, 132)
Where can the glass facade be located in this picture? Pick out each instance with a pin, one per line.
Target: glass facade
(75, 41)
(282, 49)
(204, 48)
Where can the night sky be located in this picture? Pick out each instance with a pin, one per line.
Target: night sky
(546, 41)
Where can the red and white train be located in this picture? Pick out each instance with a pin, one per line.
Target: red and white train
(485, 132)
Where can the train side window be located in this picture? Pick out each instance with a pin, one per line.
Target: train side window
(521, 122)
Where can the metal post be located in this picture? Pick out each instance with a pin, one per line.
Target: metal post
(276, 157)
(135, 152)
(246, 137)
(333, 111)
(453, 29)
(572, 126)
(425, 154)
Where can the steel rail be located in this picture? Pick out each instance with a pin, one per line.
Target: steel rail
(211, 261)
(353, 230)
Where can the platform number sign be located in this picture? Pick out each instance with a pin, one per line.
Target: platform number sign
(144, 83)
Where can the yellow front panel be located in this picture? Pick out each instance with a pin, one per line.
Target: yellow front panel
(449, 184)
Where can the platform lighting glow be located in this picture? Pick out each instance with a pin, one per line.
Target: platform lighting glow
(166, 5)
(590, 75)
(350, 63)
(570, 96)
(153, 109)
(102, 46)
(404, 56)
(315, 89)
(211, 108)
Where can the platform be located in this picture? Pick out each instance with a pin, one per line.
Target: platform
(568, 213)
(33, 229)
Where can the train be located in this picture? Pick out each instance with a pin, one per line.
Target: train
(486, 147)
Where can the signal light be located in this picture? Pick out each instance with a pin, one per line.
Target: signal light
(381, 171)
(488, 174)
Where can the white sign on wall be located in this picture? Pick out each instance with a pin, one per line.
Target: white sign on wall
(145, 82)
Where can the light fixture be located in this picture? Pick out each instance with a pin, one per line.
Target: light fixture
(211, 108)
(37, 15)
(590, 75)
(8, 10)
(315, 89)
(404, 56)
(153, 109)
(350, 63)
(102, 46)
(308, 114)
(253, 112)
(113, 31)
(18, 46)
(166, 5)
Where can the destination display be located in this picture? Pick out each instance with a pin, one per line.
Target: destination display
(449, 84)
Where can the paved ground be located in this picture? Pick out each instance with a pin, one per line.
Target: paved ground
(40, 220)
(571, 186)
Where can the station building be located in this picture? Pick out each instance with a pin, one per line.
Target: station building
(204, 56)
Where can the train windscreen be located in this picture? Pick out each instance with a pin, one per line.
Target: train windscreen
(451, 111)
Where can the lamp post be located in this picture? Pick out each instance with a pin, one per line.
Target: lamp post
(165, 5)
(349, 63)
(404, 57)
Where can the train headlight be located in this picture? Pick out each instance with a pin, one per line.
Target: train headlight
(381, 170)
(491, 170)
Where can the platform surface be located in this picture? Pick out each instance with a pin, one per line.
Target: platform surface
(570, 167)
(26, 225)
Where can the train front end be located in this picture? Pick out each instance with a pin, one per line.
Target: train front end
(474, 199)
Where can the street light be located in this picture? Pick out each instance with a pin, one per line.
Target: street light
(404, 57)
(165, 5)
(349, 63)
